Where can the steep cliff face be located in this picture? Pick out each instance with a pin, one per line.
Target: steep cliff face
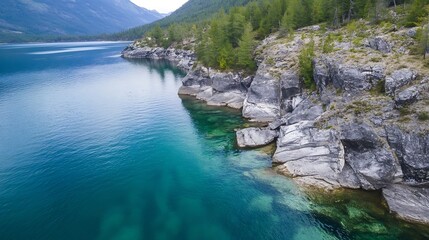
(365, 126)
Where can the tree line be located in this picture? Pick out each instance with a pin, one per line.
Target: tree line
(228, 40)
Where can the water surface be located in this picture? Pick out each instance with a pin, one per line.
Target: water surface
(93, 146)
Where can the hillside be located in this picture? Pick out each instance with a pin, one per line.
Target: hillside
(192, 11)
(65, 17)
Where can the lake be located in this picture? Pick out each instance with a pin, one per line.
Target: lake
(93, 146)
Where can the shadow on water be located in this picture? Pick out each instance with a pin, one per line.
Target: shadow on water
(159, 66)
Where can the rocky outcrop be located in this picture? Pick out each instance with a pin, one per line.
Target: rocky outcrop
(407, 96)
(310, 155)
(412, 151)
(346, 77)
(374, 165)
(216, 88)
(184, 59)
(255, 137)
(398, 79)
(262, 102)
(409, 203)
(360, 130)
(379, 44)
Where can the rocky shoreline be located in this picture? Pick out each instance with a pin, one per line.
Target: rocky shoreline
(344, 136)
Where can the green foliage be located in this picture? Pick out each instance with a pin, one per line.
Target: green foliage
(379, 88)
(226, 39)
(328, 44)
(423, 116)
(416, 12)
(246, 48)
(306, 65)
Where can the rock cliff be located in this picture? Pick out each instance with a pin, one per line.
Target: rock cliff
(365, 126)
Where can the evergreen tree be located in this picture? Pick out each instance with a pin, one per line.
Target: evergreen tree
(306, 65)
(417, 11)
(246, 48)
(157, 34)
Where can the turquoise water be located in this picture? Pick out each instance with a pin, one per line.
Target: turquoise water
(93, 146)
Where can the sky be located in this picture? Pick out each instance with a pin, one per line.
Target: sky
(162, 6)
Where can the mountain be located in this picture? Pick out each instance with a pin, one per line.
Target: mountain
(191, 11)
(71, 17)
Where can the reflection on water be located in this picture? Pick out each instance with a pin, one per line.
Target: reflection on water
(160, 66)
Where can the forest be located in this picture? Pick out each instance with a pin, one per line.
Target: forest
(228, 39)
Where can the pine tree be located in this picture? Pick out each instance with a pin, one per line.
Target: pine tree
(157, 34)
(306, 65)
(417, 10)
(246, 48)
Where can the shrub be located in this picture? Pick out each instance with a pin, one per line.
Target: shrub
(306, 65)
(328, 44)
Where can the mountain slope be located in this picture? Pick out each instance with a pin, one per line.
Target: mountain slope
(71, 17)
(192, 11)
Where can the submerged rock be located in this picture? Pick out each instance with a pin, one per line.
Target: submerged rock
(409, 203)
(255, 137)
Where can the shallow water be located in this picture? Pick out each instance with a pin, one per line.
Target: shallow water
(93, 146)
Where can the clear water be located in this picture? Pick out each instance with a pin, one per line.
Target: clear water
(93, 146)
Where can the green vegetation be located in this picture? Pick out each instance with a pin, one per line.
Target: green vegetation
(328, 44)
(306, 65)
(379, 88)
(423, 116)
(226, 40)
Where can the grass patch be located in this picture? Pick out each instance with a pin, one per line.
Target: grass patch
(375, 59)
(423, 116)
(359, 107)
(404, 111)
(379, 88)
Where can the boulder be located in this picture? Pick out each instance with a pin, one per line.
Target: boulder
(226, 82)
(398, 79)
(407, 96)
(230, 99)
(255, 137)
(198, 77)
(304, 110)
(412, 150)
(409, 203)
(346, 77)
(379, 44)
(309, 154)
(374, 165)
(262, 102)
